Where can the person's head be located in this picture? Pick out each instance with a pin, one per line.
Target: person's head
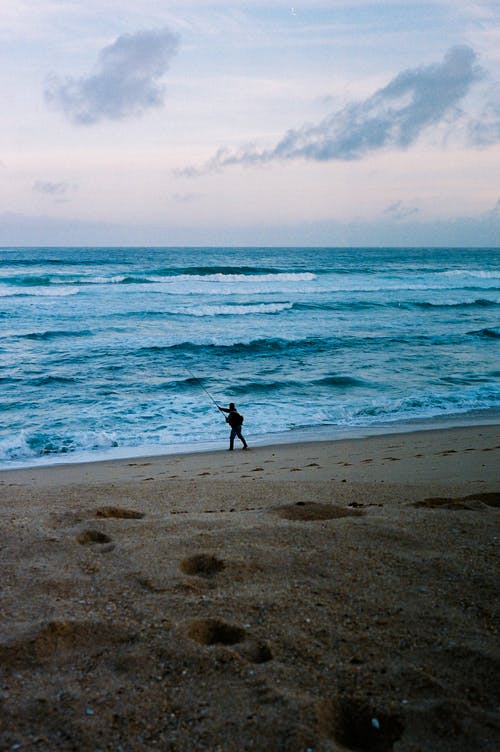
(231, 406)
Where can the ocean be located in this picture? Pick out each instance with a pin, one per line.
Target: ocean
(122, 351)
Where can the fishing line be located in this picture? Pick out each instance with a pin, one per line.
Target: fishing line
(205, 390)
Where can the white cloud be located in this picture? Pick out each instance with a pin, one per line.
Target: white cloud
(126, 81)
(393, 117)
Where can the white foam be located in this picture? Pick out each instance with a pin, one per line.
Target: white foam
(104, 280)
(8, 291)
(240, 278)
(231, 310)
(238, 285)
(477, 273)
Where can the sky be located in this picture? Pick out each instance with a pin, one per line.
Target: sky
(333, 123)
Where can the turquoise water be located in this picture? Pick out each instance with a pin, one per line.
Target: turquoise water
(108, 349)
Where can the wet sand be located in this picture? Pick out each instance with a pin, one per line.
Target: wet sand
(319, 596)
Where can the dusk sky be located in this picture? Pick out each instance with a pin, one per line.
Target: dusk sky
(149, 122)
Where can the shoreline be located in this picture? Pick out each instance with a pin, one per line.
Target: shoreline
(303, 435)
(431, 454)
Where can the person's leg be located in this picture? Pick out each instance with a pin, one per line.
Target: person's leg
(231, 438)
(240, 436)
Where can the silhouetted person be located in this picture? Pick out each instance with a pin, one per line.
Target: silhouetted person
(235, 420)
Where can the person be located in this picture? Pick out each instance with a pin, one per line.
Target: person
(235, 420)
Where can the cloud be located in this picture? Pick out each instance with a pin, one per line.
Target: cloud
(124, 84)
(399, 211)
(58, 191)
(393, 117)
(51, 189)
(485, 130)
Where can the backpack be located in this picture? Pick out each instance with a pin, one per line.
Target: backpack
(235, 419)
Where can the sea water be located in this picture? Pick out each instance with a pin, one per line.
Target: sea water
(122, 350)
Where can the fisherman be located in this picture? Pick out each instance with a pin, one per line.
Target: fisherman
(235, 420)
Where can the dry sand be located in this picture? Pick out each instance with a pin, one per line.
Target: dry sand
(323, 596)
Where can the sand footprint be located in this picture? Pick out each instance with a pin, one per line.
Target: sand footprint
(118, 513)
(473, 502)
(204, 565)
(255, 651)
(492, 499)
(215, 632)
(307, 511)
(356, 723)
(87, 537)
(210, 631)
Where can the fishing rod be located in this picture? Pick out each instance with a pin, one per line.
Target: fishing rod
(205, 390)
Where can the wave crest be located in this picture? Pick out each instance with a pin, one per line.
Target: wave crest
(488, 333)
(55, 334)
(232, 309)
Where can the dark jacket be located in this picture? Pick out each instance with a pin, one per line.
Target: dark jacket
(234, 419)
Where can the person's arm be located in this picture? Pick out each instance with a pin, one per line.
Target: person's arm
(224, 409)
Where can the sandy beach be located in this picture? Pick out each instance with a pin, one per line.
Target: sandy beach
(322, 596)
